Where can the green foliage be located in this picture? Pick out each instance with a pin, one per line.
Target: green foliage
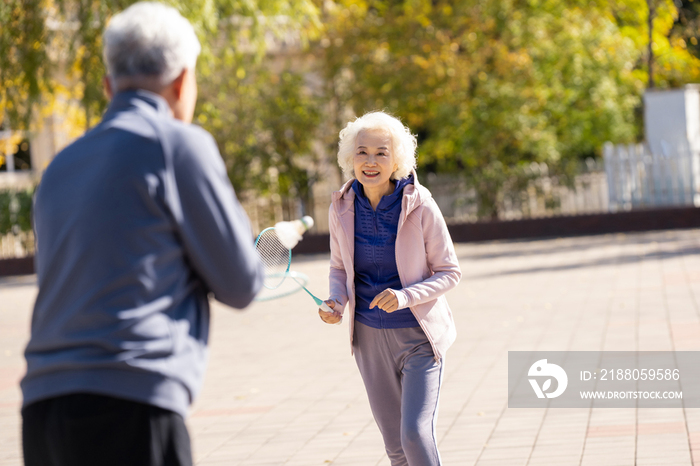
(15, 211)
(491, 86)
(265, 125)
(686, 27)
(72, 31)
(261, 119)
(291, 116)
(24, 64)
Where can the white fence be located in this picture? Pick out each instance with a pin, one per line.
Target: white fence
(638, 178)
(17, 245)
(544, 196)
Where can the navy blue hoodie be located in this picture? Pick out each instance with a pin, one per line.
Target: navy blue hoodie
(375, 257)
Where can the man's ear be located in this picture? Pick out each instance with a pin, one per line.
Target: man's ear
(108, 87)
(178, 84)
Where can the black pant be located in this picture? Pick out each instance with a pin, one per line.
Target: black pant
(91, 430)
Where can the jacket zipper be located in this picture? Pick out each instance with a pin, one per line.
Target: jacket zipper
(375, 241)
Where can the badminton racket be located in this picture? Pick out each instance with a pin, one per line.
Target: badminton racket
(274, 246)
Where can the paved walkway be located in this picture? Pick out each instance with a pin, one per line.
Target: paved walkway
(282, 388)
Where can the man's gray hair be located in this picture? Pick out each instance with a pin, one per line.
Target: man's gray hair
(149, 41)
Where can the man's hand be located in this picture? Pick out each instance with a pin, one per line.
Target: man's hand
(328, 317)
(386, 300)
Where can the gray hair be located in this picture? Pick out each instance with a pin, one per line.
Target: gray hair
(149, 42)
(403, 143)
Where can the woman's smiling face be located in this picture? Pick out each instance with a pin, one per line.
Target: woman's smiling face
(374, 160)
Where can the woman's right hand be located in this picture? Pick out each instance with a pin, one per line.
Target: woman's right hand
(330, 317)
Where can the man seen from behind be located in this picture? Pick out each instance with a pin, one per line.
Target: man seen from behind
(136, 224)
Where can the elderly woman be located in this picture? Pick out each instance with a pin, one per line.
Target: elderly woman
(392, 260)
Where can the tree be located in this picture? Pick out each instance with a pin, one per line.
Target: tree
(265, 124)
(49, 44)
(490, 87)
(686, 27)
(24, 65)
(51, 58)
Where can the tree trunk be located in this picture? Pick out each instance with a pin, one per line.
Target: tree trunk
(652, 12)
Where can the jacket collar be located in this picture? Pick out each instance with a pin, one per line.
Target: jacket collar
(413, 196)
(138, 98)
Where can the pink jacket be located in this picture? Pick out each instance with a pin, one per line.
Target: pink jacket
(425, 258)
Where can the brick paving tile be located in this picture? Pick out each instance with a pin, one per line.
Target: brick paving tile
(282, 389)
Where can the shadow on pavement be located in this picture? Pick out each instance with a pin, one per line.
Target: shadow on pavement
(612, 260)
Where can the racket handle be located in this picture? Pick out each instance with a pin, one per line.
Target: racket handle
(324, 307)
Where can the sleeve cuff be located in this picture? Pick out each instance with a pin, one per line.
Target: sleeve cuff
(340, 306)
(402, 297)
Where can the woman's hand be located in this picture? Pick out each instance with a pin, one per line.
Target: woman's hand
(386, 300)
(328, 317)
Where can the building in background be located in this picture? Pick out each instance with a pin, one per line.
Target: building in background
(24, 156)
(665, 170)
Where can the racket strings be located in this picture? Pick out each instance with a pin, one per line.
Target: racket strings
(275, 257)
(272, 253)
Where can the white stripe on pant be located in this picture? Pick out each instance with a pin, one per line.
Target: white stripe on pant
(403, 381)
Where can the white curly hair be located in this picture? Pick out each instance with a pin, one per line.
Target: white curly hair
(403, 143)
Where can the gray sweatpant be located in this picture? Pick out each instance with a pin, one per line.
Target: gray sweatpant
(403, 380)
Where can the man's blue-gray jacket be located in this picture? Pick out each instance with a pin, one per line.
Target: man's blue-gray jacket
(136, 223)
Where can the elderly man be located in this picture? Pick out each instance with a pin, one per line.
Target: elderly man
(136, 224)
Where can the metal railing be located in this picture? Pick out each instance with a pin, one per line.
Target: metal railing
(545, 195)
(638, 178)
